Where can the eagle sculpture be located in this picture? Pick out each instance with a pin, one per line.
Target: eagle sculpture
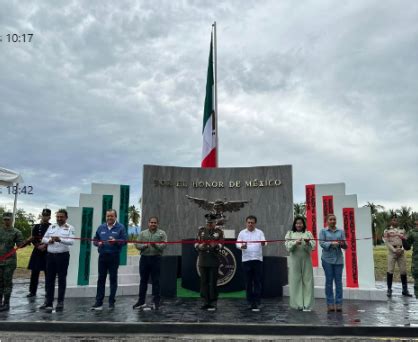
(218, 207)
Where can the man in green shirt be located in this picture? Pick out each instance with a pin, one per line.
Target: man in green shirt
(9, 238)
(412, 241)
(154, 242)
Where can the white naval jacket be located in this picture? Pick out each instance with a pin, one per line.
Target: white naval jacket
(65, 233)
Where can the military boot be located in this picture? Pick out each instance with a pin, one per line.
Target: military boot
(405, 291)
(6, 303)
(389, 279)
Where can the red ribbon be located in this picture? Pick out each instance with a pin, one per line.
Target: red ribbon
(13, 251)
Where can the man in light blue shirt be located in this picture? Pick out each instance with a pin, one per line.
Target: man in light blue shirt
(332, 241)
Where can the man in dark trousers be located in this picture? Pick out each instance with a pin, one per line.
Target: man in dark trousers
(59, 237)
(109, 238)
(10, 238)
(37, 262)
(209, 248)
(150, 262)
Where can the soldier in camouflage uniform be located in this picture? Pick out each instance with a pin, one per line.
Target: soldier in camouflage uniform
(208, 249)
(393, 237)
(9, 238)
(412, 241)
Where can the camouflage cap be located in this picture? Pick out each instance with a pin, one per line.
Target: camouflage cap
(8, 215)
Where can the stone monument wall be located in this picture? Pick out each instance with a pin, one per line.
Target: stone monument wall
(268, 188)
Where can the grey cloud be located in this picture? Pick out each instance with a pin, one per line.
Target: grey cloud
(107, 87)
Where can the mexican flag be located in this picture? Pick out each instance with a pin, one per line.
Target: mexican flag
(209, 149)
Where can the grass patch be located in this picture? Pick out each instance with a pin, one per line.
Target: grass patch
(380, 264)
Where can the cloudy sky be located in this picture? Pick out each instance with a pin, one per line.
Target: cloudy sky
(107, 86)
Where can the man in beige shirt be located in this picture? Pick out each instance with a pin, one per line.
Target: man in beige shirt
(393, 237)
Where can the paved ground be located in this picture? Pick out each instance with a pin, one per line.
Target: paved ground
(219, 338)
(397, 312)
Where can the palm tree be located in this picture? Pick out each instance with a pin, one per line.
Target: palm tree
(299, 209)
(382, 222)
(374, 210)
(392, 212)
(405, 217)
(134, 216)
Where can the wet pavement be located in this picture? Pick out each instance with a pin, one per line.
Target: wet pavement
(396, 312)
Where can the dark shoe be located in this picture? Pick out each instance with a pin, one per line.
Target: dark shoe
(59, 307)
(156, 306)
(405, 291)
(30, 295)
(204, 307)
(6, 304)
(5, 307)
(139, 306)
(111, 306)
(97, 307)
(330, 308)
(43, 306)
(211, 308)
(338, 308)
(1, 299)
(46, 307)
(389, 279)
(255, 308)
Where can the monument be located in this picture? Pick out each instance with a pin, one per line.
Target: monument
(268, 190)
(358, 277)
(82, 272)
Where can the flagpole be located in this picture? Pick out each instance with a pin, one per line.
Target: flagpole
(215, 62)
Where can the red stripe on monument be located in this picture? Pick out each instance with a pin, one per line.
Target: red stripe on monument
(351, 252)
(311, 218)
(327, 207)
(210, 159)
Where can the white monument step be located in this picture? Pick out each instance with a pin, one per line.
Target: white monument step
(348, 293)
(320, 280)
(133, 260)
(318, 271)
(128, 269)
(122, 279)
(89, 291)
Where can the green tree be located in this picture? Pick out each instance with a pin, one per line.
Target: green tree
(134, 216)
(382, 222)
(405, 217)
(23, 221)
(299, 209)
(374, 210)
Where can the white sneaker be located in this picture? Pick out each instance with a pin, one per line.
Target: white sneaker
(139, 307)
(96, 307)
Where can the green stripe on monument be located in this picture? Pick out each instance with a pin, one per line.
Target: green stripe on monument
(124, 219)
(107, 204)
(85, 247)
